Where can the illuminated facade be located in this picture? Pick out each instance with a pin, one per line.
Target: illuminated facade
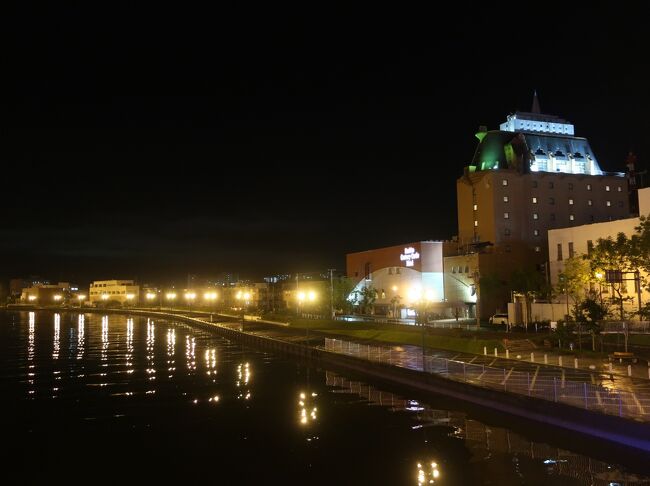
(46, 294)
(122, 291)
(401, 275)
(532, 176)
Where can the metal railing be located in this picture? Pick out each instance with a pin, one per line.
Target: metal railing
(582, 394)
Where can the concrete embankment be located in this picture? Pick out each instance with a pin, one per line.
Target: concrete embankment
(631, 434)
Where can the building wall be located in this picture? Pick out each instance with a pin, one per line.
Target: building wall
(395, 281)
(579, 237)
(115, 290)
(536, 203)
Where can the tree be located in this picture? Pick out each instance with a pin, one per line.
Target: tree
(564, 332)
(341, 289)
(574, 282)
(591, 312)
(615, 258)
(365, 298)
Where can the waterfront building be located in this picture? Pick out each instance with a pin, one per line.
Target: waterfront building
(122, 291)
(46, 294)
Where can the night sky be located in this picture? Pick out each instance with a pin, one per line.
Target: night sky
(152, 142)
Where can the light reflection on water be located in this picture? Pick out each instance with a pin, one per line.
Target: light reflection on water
(117, 376)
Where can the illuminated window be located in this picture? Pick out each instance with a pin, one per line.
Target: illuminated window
(534, 200)
(589, 187)
(571, 217)
(538, 249)
(607, 188)
(535, 216)
(536, 232)
(590, 202)
(504, 182)
(475, 223)
(619, 189)
(506, 215)
(505, 198)
(475, 207)
(608, 203)
(570, 201)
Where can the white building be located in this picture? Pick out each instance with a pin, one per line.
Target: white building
(567, 242)
(122, 291)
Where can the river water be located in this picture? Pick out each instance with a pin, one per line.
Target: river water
(92, 398)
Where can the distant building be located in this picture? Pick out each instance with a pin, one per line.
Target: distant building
(46, 294)
(122, 291)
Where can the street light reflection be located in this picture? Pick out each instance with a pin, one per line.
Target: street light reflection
(427, 474)
(307, 410)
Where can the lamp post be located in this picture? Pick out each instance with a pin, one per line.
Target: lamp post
(243, 297)
(150, 296)
(171, 296)
(211, 297)
(420, 302)
(129, 298)
(81, 298)
(190, 296)
(599, 276)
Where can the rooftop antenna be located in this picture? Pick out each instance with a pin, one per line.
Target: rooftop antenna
(535, 108)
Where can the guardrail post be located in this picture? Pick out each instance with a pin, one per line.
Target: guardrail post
(620, 405)
(507, 353)
(629, 370)
(611, 367)
(559, 359)
(545, 358)
(485, 350)
(575, 363)
(532, 357)
(495, 353)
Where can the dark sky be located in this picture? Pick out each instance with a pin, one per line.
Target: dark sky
(153, 141)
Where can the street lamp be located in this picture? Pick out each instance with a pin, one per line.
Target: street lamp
(81, 298)
(129, 298)
(171, 296)
(243, 297)
(57, 298)
(210, 297)
(419, 302)
(599, 276)
(150, 296)
(190, 296)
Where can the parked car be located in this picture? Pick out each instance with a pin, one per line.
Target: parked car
(497, 319)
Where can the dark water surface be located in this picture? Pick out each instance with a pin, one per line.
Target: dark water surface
(94, 399)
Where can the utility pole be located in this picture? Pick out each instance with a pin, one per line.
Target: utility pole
(331, 270)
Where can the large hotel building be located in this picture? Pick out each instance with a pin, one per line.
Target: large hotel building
(530, 176)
